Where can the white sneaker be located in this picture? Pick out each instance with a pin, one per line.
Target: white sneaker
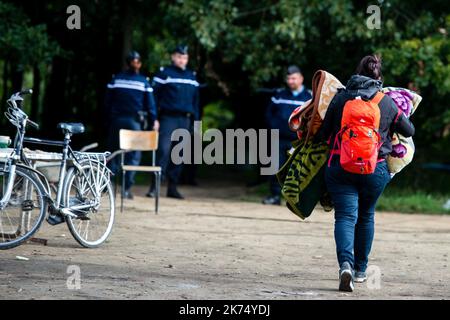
(346, 278)
(360, 276)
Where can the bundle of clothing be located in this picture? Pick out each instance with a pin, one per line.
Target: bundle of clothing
(302, 176)
(402, 148)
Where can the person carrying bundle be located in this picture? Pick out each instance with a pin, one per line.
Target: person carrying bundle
(358, 125)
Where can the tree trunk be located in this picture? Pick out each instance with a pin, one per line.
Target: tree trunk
(17, 80)
(36, 93)
(5, 84)
(55, 104)
(6, 92)
(127, 32)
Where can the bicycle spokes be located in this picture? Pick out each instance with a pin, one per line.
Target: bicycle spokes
(23, 212)
(90, 197)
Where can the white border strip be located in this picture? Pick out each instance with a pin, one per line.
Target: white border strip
(176, 80)
(284, 101)
(128, 86)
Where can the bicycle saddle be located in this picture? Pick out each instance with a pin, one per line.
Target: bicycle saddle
(73, 128)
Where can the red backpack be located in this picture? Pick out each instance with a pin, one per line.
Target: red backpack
(358, 140)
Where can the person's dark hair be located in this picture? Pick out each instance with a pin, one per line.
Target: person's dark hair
(370, 66)
(293, 69)
(132, 55)
(181, 49)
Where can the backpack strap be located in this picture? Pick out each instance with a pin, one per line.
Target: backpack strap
(335, 151)
(399, 113)
(397, 117)
(378, 97)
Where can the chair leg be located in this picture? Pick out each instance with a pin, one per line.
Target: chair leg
(116, 185)
(157, 191)
(122, 191)
(115, 191)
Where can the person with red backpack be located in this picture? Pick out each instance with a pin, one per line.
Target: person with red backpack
(358, 125)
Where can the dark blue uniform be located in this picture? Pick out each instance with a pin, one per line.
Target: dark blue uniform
(177, 99)
(127, 94)
(281, 106)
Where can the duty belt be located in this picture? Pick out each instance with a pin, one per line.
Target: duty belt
(175, 113)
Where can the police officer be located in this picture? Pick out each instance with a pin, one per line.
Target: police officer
(128, 96)
(177, 99)
(282, 104)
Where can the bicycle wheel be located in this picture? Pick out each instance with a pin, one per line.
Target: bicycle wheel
(25, 211)
(94, 224)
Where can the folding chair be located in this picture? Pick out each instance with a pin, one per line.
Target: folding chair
(140, 141)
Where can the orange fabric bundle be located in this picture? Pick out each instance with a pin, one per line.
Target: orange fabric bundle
(307, 119)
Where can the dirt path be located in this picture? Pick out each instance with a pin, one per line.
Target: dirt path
(216, 248)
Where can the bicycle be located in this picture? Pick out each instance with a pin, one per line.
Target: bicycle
(84, 195)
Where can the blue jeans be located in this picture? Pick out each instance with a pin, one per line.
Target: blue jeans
(168, 124)
(131, 158)
(355, 197)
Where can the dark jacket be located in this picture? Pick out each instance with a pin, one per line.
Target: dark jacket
(177, 91)
(280, 108)
(127, 94)
(366, 88)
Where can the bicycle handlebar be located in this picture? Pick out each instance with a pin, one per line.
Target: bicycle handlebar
(27, 91)
(33, 124)
(16, 113)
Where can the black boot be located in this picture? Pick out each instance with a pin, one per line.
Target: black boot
(172, 192)
(274, 200)
(151, 192)
(128, 195)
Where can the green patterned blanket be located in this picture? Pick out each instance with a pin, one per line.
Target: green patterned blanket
(302, 177)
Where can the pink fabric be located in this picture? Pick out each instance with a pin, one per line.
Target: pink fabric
(398, 151)
(403, 99)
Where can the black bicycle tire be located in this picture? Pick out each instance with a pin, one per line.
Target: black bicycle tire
(43, 213)
(75, 235)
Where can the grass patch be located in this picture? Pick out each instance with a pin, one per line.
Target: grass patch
(403, 194)
(412, 202)
(393, 200)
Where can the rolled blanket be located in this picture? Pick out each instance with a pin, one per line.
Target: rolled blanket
(403, 100)
(302, 176)
(403, 148)
(402, 97)
(308, 118)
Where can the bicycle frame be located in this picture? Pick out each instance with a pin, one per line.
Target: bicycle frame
(68, 156)
(18, 157)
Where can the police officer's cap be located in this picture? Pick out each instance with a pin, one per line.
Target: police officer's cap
(181, 49)
(133, 55)
(293, 69)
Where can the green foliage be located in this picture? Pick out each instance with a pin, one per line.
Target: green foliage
(22, 43)
(217, 115)
(208, 20)
(249, 44)
(236, 46)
